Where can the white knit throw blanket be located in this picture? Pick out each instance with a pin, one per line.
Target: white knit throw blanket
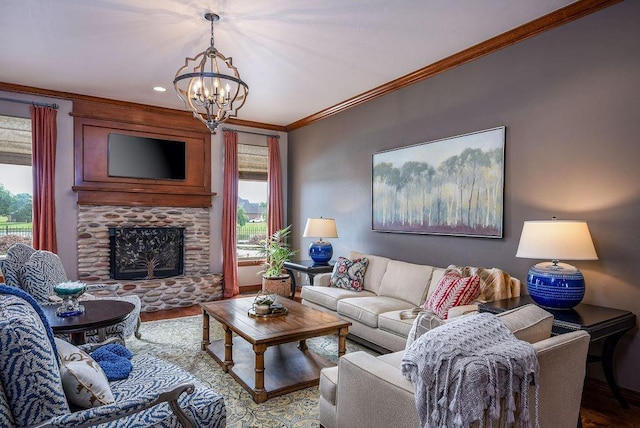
(462, 370)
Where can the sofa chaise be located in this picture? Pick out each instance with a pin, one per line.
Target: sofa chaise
(391, 288)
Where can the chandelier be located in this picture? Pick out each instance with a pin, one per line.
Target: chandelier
(210, 85)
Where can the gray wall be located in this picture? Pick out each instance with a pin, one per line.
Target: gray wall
(569, 99)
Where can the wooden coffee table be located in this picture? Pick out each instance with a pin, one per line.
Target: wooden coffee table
(98, 315)
(284, 368)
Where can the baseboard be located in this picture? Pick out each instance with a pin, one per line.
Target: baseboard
(248, 289)
(599, 389)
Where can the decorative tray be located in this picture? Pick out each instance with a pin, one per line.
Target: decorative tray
(274, 313)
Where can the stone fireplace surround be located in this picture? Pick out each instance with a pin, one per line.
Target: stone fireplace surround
(195, 286)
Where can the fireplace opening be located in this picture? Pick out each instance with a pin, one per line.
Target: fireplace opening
(146, 252)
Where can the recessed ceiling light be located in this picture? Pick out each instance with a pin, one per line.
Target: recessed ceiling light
(159, 89)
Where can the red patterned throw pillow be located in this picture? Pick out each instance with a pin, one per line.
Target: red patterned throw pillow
(349, 274)
(453, 290)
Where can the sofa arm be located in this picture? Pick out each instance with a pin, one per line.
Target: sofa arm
(104, 289)
(322, 279)
(457, 311)
(366, 386)
(562, 361)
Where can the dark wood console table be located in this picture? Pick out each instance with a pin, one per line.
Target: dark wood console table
(309, 267)
(600, 322)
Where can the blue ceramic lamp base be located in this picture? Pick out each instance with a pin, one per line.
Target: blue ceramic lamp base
(320, 252)
(555, 285)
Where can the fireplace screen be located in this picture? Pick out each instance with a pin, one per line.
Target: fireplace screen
(146, 252)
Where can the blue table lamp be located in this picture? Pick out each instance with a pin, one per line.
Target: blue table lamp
(320, 251)
(556, 285)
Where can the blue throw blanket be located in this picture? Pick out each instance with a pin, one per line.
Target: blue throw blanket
(114, 360)
(14, 291)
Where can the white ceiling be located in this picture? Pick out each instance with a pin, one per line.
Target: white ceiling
(297, 56)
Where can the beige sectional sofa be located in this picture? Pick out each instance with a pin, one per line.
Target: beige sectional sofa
(368, 391)
(390, 288)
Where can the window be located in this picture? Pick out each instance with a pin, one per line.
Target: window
(16, 182)
(252, 200)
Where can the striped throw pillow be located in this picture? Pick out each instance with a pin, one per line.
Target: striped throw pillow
(453, 290)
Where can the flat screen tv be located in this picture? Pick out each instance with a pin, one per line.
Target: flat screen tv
(141, 157)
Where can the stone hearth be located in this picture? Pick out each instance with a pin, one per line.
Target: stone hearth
(195, 286)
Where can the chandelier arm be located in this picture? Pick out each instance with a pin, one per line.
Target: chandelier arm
(210, 74)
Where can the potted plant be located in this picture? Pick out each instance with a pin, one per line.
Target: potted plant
(276, 251)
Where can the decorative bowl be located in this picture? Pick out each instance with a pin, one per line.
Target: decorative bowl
(69, 293)
(262, 303)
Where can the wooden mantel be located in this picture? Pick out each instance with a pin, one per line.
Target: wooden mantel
(93, 122)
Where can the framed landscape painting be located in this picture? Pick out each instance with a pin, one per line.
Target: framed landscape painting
(452, 186)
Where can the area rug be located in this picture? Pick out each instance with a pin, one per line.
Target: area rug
(178, 340)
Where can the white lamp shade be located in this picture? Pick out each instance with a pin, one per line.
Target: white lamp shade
(320, 228)
(556, 240)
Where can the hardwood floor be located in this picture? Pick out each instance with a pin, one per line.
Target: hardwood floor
(598, 410)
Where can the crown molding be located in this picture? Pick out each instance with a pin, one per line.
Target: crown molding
(10, 87)
(547, 22)
(550, 21)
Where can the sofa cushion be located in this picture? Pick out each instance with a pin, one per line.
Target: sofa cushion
(328, 297)
(367, 309)
(349, 274)
(453, 290)
(406, 281)
(530, 322)
(151, 373)
(83, 380)
(375, 270)
(391, 322)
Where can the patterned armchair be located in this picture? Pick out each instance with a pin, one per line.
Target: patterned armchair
(32, 389)
(37, 272)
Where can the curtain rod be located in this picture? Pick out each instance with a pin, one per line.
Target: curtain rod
(249, 132)
(12, 100)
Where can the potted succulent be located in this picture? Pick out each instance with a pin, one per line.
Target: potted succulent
(276, 251)
(262, 303)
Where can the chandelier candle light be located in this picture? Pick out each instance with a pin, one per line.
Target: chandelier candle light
(320, 251)
(210, 85)
(556, 285)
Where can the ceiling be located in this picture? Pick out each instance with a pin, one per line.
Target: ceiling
(298, 57)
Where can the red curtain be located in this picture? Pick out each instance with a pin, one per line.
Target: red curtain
(275, 215)
(229, 214)
(44, 135)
